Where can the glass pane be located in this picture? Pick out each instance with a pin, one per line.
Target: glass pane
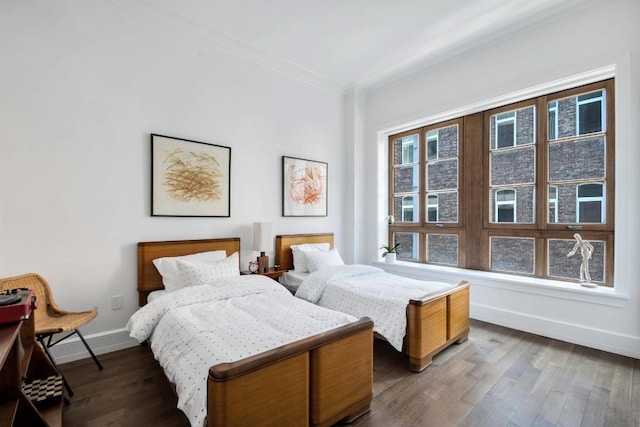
(513, 167)
(513, 128)
(405, 208)
(562, 266)
(442, 248)
(580, 115)
(405, 179)
(442, 207)
(405, 150)
(513, 254)
(442, 175)
(507, 210)
(581, 159)
(408, 249)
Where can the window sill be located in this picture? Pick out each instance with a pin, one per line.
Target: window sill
(509, 282)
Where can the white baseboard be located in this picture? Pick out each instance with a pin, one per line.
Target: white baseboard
(72, 348)
(625, 345)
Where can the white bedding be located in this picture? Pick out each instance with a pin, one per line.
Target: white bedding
(362, 290)
(292, 280)
(194, 328)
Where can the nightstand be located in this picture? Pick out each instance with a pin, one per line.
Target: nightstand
(272, 272)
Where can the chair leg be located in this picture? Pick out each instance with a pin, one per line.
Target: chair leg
(55, 365)
(93, 356)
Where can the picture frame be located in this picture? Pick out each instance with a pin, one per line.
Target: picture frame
(304, 187)
(189, 178)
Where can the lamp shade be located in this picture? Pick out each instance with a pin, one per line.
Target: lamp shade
(262, 237)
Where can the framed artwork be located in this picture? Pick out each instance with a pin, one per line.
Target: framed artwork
(304, 187)
(189, 178)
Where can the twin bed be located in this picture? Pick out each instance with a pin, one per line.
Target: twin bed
(436, 315)
(297, 364)
(268, 357)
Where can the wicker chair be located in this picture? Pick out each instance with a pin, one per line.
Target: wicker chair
(49, 319)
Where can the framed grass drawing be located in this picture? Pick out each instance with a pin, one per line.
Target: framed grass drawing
(304, 187)
(189, 178)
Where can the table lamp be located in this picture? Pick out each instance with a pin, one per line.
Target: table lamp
(262, 242)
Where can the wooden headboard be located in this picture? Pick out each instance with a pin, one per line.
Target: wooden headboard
(284, 257)
(148, 277)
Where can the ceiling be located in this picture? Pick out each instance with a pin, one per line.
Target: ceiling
(352, 42)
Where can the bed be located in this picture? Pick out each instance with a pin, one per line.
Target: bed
(431, 322)
(317, 380)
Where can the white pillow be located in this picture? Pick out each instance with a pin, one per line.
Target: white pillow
(317, 260)
(192, 273)
(168, 268)
(299, 257)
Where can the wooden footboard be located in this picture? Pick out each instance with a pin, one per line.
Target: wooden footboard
(316, 381)
(436, 322)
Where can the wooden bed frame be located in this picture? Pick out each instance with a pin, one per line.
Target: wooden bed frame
(433, 323)
(316, 381)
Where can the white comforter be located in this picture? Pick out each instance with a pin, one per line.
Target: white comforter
(362, 290)
(194, 328)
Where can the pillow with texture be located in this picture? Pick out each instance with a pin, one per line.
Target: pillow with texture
(299, 257)
(193, 273)
(168, 268)
(317, 260)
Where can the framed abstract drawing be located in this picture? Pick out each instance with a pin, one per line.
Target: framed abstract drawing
(189, 178)
(304, 187)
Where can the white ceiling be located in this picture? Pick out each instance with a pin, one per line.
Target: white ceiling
(352, 42)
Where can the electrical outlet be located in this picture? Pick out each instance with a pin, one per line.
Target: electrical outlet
(116, 302)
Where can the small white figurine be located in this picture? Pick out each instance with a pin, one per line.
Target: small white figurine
(586, 249)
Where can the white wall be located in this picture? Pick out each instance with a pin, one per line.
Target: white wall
(573, 45)
(83, 84)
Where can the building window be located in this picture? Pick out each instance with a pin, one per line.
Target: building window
(590, 113)
(408, 208)
(553, 204)
(590, 203)
(505, 206)
(432, 208)
(553, 120)
(524, 192)
(432, 145)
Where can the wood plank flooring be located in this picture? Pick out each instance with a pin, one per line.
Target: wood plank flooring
(499, 377)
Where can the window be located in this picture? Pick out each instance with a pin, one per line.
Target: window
(432, 208)
(432, 145)
(544, 172)
(505, 130)
(553, 204)
(505, 206)
(590, 113)
(408, 208)
(590, 203)
(553, 120)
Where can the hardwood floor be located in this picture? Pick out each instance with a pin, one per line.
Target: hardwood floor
(499, 377)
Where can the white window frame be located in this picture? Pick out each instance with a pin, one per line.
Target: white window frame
(554, 202)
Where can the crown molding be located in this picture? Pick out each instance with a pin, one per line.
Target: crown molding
(227, 43)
